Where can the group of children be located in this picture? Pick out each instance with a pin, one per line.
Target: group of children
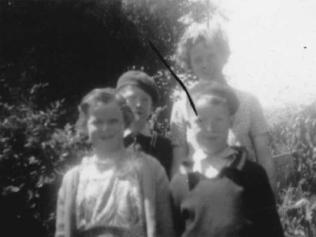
(216, 188)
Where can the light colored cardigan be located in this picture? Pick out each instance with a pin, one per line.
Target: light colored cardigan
(156, 193)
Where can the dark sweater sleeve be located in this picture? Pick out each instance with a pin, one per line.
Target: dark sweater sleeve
(165, 227)
(179, 190)
(260, 202)
(163, 152)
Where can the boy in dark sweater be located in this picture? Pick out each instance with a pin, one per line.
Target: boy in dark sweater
(142, 97)
(223, 194)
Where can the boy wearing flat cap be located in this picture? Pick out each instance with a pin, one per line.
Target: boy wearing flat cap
(140, 92)
(224, 194)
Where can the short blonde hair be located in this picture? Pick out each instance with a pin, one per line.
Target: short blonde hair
(196, 33)
(215, 93)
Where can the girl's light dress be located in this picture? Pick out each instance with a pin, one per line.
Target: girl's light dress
(110, 198)
(128, 199)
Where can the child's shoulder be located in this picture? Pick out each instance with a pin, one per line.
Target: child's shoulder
(179, 179)
(71, 176)
(150, 169)
(161, 141)
(146, 161)
(244, 169)
(179, 186)
(254, 174)
(86, 160)
(244, 95)
(243, 162)
(252, 167)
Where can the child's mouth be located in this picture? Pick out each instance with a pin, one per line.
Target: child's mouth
(139, 113)
(107, 137)
(212, 138)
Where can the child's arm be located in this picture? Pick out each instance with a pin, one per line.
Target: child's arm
(179, 154)
(164, 221)
(178, 137)
(60, 213)
(65, 205)
(179, 189)
(262, 205)
(260, 140)
(264, 157)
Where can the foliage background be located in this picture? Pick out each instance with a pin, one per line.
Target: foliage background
(51, 53)
(294, 131)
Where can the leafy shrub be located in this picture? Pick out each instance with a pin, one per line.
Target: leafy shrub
(77, 45)
(34, 153)
(296, 132)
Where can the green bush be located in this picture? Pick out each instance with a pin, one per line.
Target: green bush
(77, 45)
(34, 153)
(296, 132)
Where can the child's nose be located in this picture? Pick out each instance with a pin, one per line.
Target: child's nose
(205, 63)
(210, 127)
(105, 127)
(138, 103)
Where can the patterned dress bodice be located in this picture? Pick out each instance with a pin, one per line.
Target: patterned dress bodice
(110, 198)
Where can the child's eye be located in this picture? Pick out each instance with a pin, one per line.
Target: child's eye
(145, 100)
(130, 97)
(97, 122)
(221, 119)
(113, 121)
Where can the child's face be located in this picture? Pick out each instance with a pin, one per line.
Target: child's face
(209, 130)
(105, 126)
(139, 102)
(206, 61)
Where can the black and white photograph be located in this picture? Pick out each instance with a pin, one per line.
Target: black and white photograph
(158, 118)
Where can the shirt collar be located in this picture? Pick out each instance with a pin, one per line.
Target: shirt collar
(202, 160)
(145, 131)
